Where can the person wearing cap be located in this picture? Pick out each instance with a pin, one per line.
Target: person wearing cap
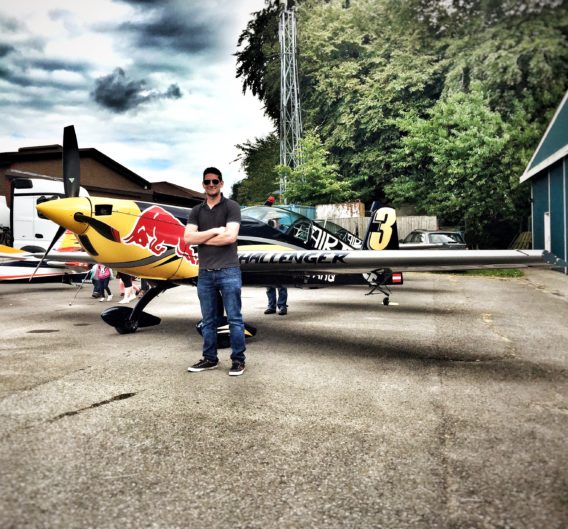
(273, 301)
(214, 227)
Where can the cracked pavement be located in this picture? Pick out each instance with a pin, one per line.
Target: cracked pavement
(447, 409)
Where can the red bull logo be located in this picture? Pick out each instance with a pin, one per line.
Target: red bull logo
(157, 230)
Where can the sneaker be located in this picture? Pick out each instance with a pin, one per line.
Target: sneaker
(203, 365)
(102, 298)
(283, 311)
(109, 297)
(270, 311)
(238, 368)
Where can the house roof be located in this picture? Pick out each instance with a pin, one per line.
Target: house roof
(164, 192)
(54, 152)
(167, 188)
(554, 144)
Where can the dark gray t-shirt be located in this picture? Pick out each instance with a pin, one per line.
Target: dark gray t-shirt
(216, 257)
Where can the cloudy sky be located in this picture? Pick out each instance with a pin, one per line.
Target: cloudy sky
(150, 83)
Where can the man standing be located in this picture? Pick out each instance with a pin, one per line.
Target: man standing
(281, 303)
(214, 226)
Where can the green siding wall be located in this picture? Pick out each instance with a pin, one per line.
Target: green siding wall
(556, 137)
(557, 208)
(540, 206)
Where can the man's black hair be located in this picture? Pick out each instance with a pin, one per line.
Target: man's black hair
(213, 170)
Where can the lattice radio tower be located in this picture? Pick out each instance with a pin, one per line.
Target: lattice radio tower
(290, 118)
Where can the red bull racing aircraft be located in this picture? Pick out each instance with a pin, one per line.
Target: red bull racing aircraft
(276, 247)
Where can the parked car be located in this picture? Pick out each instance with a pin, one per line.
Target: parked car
(433, 239)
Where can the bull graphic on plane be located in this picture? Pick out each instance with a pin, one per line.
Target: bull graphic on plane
(276, 246)
(146, 233)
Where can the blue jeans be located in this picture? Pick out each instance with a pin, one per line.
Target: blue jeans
(282, 297)
(226, 281)
(103, 285)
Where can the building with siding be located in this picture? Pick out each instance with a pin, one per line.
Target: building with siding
(547, 173)
(100, 176)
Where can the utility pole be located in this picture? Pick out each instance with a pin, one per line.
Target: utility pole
(290, 118)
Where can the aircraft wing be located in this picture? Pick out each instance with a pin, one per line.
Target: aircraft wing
(362, 261)
(13, 254)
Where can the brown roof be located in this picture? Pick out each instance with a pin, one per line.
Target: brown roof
(175, 193)
(54, 152)
(163, 192)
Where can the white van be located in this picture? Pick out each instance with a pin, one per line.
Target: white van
(21, 226)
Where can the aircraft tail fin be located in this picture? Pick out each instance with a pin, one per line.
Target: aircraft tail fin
(382, 232)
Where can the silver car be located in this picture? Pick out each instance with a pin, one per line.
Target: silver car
(430, 239)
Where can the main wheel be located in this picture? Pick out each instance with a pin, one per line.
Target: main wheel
(128, 328)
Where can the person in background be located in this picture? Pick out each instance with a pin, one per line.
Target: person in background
(129, 293)
(103, 275)
(91, 276)
(281, 301)
(144, 286)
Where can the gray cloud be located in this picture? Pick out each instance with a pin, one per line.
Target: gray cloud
(5, 49)
(173, 92)
(177, 25)
(118, 93)
(58, 64)
(9, 24)
(168, 32)
(16, 69)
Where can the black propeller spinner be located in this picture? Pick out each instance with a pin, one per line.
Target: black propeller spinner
(71, 179)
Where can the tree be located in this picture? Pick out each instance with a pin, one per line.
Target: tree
(361, 69)
(258, 60)
(315, 180)
(368, 68)
(455, 164)
(258, 159)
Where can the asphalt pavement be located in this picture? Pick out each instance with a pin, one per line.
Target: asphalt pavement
(446, 409)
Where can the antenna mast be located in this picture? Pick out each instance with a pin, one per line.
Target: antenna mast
(290, 118)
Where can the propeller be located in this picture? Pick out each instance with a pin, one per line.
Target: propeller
(71, 179)
(71, 163)
(108, 232)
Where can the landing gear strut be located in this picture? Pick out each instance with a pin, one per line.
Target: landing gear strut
(223, 330)
(378, 280)
(127, 320)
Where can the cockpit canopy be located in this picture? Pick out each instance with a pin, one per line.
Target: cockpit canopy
(298, 228)
(281, 219)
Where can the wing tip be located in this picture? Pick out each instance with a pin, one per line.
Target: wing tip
(554, 260)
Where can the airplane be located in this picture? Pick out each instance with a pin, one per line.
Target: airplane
(20, 266)
(146, 240)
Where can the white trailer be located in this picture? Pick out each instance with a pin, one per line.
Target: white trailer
(21, 226)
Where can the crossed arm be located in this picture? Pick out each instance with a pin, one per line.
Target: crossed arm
(213, 237)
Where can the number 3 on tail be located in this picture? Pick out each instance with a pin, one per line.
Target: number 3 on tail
(383, 223)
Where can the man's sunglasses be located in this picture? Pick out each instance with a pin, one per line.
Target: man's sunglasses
(214, 182)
